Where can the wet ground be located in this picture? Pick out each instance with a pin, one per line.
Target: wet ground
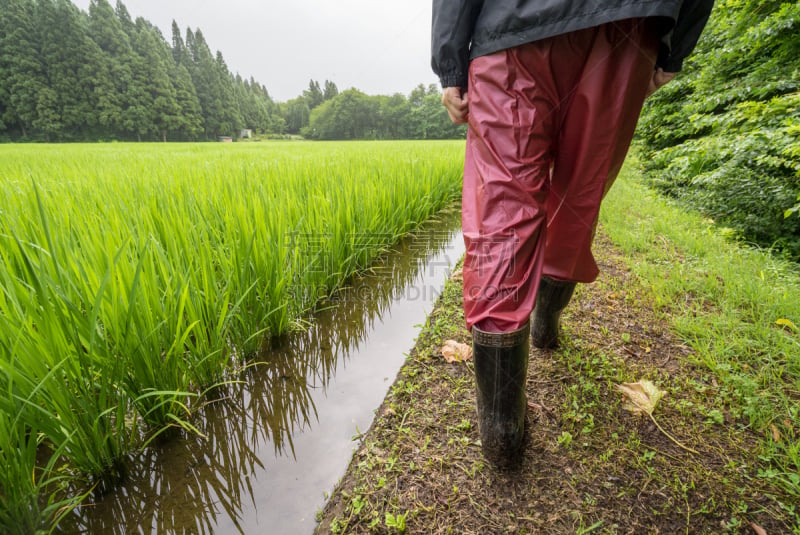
(277, 441)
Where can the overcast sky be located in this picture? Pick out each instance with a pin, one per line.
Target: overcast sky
(377, 46)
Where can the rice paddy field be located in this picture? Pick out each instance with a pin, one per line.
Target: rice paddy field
(136, 278)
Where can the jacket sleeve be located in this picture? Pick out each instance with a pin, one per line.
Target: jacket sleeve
(682, 39)
(453, 22)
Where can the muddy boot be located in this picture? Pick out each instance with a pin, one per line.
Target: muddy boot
(501, 366)
(552, 298)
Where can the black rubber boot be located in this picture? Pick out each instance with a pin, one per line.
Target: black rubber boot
(501, 367)
(552, 298)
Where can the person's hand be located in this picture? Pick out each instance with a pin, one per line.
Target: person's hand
(659, 78)
(454, 99)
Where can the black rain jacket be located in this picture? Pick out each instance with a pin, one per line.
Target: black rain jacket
(465, 29)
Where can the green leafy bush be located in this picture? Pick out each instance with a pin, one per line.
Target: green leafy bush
(725, 137)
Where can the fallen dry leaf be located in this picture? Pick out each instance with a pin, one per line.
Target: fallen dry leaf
(642, 396)
(455, 352)
(458, 275)
(642, 399)
(758, 529)
(776, 435)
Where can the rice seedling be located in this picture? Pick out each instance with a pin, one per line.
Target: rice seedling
(23, 484)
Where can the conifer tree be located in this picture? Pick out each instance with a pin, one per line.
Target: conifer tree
(21, 68)
(69, 57)
(231, 119)
(106, 31)
(163, 109)
(313, 95)
(330, 90)
(206, 83)
(190, 119)
(179, 52)
(137, 116)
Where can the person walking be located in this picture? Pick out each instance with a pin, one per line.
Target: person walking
(551, 91)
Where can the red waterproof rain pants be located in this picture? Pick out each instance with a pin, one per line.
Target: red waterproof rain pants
(550, 123)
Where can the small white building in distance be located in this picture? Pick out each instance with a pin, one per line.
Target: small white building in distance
(246, 133)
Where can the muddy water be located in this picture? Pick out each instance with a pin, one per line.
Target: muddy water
(282, 436)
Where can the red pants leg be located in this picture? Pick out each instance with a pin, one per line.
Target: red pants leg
(549, 126)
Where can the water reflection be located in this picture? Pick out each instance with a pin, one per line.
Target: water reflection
(305, 392)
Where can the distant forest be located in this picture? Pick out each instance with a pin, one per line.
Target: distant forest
(68, 75)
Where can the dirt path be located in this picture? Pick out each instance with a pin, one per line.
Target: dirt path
(589, 465)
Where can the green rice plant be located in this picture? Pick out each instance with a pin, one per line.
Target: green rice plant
(23, 481)
(135, 278)
(54, 369)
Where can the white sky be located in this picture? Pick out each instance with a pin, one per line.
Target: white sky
(377, 46)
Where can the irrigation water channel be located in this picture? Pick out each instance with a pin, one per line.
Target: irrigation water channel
(283, 436)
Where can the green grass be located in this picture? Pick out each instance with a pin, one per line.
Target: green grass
(738, 308)
(134, 278)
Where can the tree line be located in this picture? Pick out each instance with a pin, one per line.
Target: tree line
(355, 115)
(70, 75)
